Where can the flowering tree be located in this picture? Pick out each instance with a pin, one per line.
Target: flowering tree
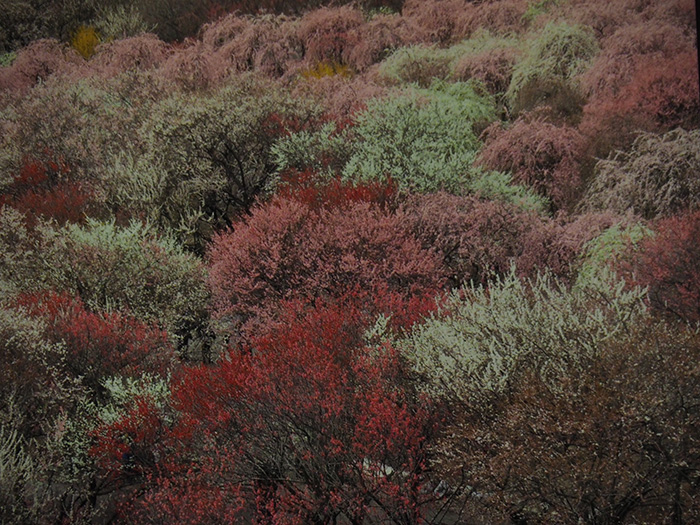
(285, 250)
(309, 425)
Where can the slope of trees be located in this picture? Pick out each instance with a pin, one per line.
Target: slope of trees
(381, 261)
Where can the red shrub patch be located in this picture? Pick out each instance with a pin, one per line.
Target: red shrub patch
(662, 95)
(44, 189)
(100, 345)
(539, 154)
(669, 265)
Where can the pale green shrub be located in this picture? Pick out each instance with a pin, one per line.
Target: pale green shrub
(499, 186)
(424, 140)
(19, 261)
(556, 55)
(83, 122)
(132, 268)
(419, 64)
(484, 337)
(121, 21)
(212, 154)
(657, 177)
(605, 250)
(537, 8)
(17, 471)
(324, 151)
(6, 59)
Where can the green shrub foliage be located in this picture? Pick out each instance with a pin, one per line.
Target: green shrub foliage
(657, 177)
(555, 57)
(132, 269)
(478, 345)
(424, 140)
(213, 153)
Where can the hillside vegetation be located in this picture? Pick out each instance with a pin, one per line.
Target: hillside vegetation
(303, 262)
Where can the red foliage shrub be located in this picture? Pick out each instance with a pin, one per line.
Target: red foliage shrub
(669, 265)
(285, 250)
(372, 41)
(499, 16)
(37, 62)
(193, 499)
(629, 49)
(218, 33)
(681, 13)
(433, 21)
(556, 244)
(307, 427)
(192, 67)
(304, 188)
(341, 97)
(140, 53)
(475, 238)
(326, 32)
(44, 189)
(493, 67)
(604, 17)
(267, 44)
(661, 96)
(100, 345)
(129, 443)
(539, 154)
(668, 93)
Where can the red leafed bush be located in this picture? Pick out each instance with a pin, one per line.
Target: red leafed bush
(602, 16)
(677, 12)
(669, 264)
(267, 44)
(217, 34)
(308, 426)
(627, 50)
(326, 32)
(662, 95)
(100, 345)
(341, 97)
(556, 244)
(493, 67)
(140, 53)
(285, 250)
(476, 239)
(433, 21)
(126, 446)
(44, 189)
(373, 40)
(540, 154)
(37, 62)
(304, 187)
(314, 423)
(188, 500)
(500, 16)
(192, 67)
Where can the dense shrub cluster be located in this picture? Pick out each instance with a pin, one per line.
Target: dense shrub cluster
(547, 74)
(423, 144)
(381, 261)
(656, 177)
(287, 251)
(539, 154)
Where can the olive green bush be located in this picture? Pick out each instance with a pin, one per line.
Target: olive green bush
(476, 346)
(133, 269)
(657, 177)
(424, 140)
(547, 74)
